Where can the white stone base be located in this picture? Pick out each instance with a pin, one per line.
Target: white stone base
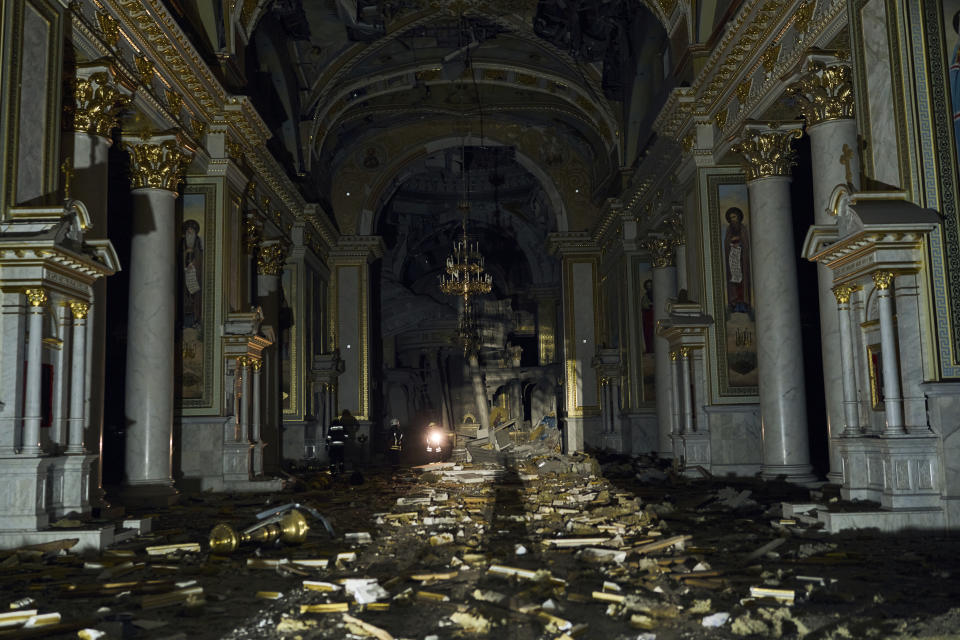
(87, 539)
(886, 521)
(253, 485)
(25, 492)
(77, 478)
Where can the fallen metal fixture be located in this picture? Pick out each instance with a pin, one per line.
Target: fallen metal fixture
(289, 526)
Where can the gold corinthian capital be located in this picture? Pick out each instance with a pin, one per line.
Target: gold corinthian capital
(824, 90)
(766, 149)
(97, 101)
(271, 258)
(661, 250)
(157, 162)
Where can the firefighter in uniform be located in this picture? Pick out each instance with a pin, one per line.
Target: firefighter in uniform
(394, 442)
(336, 445)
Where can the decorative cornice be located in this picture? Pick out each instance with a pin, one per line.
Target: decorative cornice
(766, 149)
(79, 309)
(157, 162)
(824, 90)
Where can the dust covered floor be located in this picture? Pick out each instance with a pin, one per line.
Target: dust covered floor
(557, 547)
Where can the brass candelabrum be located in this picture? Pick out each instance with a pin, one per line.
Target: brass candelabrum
(290, 527)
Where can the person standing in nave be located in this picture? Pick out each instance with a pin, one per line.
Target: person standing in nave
(394, 443)
(337, 444)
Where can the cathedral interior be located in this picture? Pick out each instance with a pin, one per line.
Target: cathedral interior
(720, 236)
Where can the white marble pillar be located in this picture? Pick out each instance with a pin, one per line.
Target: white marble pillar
(257, 411)
(243, 366)
(33, 409)
(685, 381)
(783, 406)
(675, 389)
(97, 95)
(824, 94)
(664, 288)
(851, 408)
(892, 399)
(78, 378)
(156, 168)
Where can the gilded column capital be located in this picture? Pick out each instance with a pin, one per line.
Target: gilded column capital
(684, 353)
(270, 258)
(824, 90)
(661, 250)
(252, 233)
(98, 98)
(79, 309)
(675, 222)
(674, 355)
(158, 162)
(883, 279)
(37, 297)
(766, 148)
(842, 293)
(257, 364)
(243, 361)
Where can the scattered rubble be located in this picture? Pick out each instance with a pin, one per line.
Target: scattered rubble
(551, 546)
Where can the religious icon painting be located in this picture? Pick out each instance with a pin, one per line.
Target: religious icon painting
(730, 248)
(195, 282)
(647, 333)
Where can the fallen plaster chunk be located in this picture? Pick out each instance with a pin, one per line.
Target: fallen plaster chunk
(91, 634)
(716, 619)
(488, 596)
(358, 537)
(365, 628)
(165, 549)
(316, 585)
(16, 618)
(469, 622)
(597, 554)
(785, 596)
(364, 590)
(268, 595)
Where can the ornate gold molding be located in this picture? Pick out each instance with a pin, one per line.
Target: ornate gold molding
(883, 279)
(766, 149)
(145, 68)
(97, 101)
(271, 258)
(770, 57)
(37, 297)
(243, 361)
(802, 16)
(661, 250)
(843, 293)
(825, 91)
(108, 28)
(158, 165)
(79, 309)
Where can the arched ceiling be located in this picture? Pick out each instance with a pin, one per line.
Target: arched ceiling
(393, 77)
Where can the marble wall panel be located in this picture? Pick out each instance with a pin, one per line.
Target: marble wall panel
(33, 127)
(882, 145)
(735, 435)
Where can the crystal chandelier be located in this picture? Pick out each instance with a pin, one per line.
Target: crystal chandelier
(465, 277)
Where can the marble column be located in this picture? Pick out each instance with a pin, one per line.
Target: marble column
(33, 409)
(685, 363)
(255, 421)
(851, 408)
(892, 398)
(78, 378)
(95, 98)
(783, 406)
(824, 92)
(243, 366)
(664, 288)
(271, 259)
(675, 388)
(157, 165)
